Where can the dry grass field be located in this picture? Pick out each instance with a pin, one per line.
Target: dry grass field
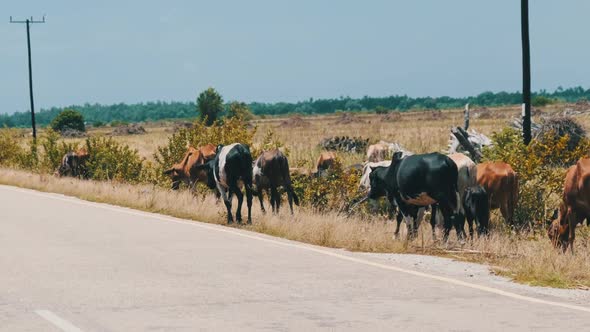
(527, 258)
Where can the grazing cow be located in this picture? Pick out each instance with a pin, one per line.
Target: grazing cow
(476, 207)
(186, 170)
(500, 181)
(467, 178)
(325, 162)
(418, 181)
(367, 169)
(575, 205)
(377, 152)
(271, 170)
(232, 163)
(73, 164)
(381, 150)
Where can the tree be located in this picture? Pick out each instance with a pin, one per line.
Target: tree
(68, 119)
(209, 105)
(240, 110)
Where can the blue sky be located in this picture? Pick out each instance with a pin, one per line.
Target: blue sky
(273, 50)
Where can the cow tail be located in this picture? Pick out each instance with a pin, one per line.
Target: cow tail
(246, 167)
(288, 185)
(454, 196)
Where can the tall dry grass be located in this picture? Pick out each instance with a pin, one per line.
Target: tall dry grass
(525, 258)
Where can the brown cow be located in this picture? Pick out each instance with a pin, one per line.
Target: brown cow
(73, 164)
(378, 152)
(500, 182)
(575, 205)
(325, 162)
(270, 171)
(186, 171)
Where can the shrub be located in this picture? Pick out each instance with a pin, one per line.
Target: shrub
(232, 130)
(53, 151)
(558, 127)
(239, 110)
(118, 123)
(110, 160)
(209, 106)
(540, 167)
(68, 119)
(98, 124)
(10, 148)
(381, 110)
(540, 101)
(28, 159)
(335, 191)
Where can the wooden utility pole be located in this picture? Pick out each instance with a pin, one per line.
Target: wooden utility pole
(526, 72)
(28, 22)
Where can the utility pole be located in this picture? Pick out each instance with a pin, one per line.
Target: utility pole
(526, 72)
(28, 22)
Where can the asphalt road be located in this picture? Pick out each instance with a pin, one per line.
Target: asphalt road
(70, 265)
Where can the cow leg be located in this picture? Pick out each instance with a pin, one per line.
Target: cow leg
(419, 218)
(506, 213)
(447, 212)
(573, 220)
(261, 199)
(411, 222)
(226, 196)
(274, 194)
(399, 218)
(248, 187)
(240, 197)
(433, 212)
(469, 215)
(290, 197)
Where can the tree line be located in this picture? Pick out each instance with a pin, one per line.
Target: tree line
(160, 110)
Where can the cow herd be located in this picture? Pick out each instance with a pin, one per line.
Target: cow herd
(453, 187)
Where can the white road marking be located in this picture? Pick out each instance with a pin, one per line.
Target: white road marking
(59, 322)
(292, 244)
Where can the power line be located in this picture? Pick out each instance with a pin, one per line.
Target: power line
(28, 22)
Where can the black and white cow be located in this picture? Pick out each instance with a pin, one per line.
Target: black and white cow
(419, 181)
(231, 164)
(365, 184)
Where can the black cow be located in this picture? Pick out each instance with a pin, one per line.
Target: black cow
(232, 163)
(419, 181)
(475, 204)
(381, 172)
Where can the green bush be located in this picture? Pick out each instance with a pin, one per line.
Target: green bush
(118, 123)
(110, 160)
(240, 110)
(10, 148)
(209, 106)
(53, 151)
(68, 119)
(540, 101)
(541, 168)
(381, 110)
(336, 190)
(230, 131)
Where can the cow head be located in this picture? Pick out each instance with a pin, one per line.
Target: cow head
(397, 156)
(208, 167)
(176, 175)
(558, 230)
(377, 184)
